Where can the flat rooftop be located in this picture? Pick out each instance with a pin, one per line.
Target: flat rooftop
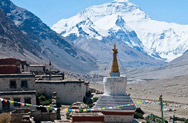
(17, 92)
(37, 65)
(58, 81)
(90, 114)
(16, 75)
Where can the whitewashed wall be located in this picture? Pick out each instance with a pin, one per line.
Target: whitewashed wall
(67, 92)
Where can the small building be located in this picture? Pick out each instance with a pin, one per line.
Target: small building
(17, 87)
(68, 91)
(13, 66)
(16, 84)
(88, 118)
(37, 68)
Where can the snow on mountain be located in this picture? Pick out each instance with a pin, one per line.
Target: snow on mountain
(123, 21)
(23, 35)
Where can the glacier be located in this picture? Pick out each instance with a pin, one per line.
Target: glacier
(124, 22)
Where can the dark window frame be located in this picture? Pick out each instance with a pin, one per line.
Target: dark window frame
(6, 106)
(17, 104)
(13, 85)
(24, 84)
(27, 100)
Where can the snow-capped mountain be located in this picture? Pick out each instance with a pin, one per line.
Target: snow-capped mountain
(23, 35)
(123, 21)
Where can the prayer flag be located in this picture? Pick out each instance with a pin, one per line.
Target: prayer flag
(77, 110)
(70, 110)
(5, 100)
(110, 107)
(73, 110)
(92, 109)
(143, 101)
(34, 105)
(66, 109)
(11, 101)
(22, 104)
(88, 110)
(139, 102)
(95, 109)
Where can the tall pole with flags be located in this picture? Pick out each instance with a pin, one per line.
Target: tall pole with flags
(161, 102)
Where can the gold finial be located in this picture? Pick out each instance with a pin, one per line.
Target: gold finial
(115, 68)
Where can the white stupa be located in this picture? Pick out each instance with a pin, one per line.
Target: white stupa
(115, 95)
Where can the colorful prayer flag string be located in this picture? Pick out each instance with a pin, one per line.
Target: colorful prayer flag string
(83, 110)
(112, 107)
(25, 104)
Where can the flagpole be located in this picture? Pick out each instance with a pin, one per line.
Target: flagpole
(161, 102)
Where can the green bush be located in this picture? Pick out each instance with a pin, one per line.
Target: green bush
(46, 102)
(138, 115)
(139, 110)
(95, 99)
(68, 115)
(90, 105)
(42, 98)
(155, 118)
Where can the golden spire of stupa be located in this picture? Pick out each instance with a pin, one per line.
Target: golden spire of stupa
(115, 68)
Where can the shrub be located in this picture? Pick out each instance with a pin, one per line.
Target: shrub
(139, 110)
(68, 115)
(42, 98)
(138, 115)
(95, 99)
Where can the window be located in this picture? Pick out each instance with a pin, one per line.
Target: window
(6, 105)
(17, 100)
(12, 84)
(28, 100)
(24, 84)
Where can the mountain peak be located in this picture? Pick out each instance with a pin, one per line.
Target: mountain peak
(121, 0)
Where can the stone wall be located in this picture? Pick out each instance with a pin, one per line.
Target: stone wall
(67, 92)
(118, 119)
(44, 116)
(37, 115)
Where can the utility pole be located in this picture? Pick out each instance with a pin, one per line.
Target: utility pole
(173, 118)
(161, 102)
(50, 64)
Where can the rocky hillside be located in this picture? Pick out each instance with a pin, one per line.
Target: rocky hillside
(26, 36)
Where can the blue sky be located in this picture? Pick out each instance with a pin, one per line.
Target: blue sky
(51, 11)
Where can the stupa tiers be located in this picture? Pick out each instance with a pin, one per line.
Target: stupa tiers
(115, 95)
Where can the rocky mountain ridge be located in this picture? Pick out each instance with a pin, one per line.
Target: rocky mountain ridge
(35, 41)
